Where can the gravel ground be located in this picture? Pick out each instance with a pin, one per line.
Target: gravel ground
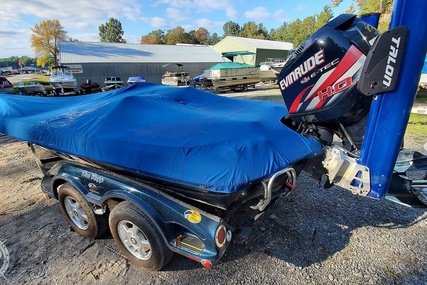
(314, 236)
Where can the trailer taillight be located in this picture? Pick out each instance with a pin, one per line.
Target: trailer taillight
(206, 263)
(222, 235)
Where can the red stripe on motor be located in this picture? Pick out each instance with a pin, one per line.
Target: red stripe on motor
(298, 99)
(352, 55)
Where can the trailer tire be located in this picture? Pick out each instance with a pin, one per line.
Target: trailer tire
(138, 238)
(79, 213)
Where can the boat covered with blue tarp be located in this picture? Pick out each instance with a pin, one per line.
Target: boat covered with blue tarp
(182, 135)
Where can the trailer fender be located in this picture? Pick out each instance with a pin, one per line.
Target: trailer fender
(63, 178)
(147, 209)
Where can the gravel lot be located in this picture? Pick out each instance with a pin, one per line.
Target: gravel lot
(314, 236)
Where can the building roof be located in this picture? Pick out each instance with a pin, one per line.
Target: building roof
(90, 52)
(258, 43)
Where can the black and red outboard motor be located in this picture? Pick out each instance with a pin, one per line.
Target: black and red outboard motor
(320, 85)
(318, 82)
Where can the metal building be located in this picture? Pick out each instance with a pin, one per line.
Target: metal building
(263, 49)
(96, 61)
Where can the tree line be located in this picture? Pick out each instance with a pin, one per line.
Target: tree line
(15, 61)
(48, 33)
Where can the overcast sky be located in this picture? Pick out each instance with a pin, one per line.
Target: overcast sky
(81, 18)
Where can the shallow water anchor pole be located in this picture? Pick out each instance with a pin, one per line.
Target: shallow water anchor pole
(390, 112)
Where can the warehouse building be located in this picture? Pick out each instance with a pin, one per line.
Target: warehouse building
(263, 49)
(96, 61)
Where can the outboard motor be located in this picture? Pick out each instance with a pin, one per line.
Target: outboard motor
(322, 84)
(318, 82)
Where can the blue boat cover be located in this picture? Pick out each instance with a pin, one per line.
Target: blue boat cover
(182, 135)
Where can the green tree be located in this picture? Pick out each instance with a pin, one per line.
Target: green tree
(213, 39)
(324, 17)
(45, 41)
(262, 32)
(175, 36)
(298, 31)
(254, 31)
(150, 40)
(154, 37)
(371, 6)
(201, 35)
(272, 35)
(15, 61)
(189, 38)
(282, 33)
(231, 29)
(111, 31)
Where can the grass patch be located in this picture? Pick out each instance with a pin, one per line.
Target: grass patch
(42, 82)
(270, 86)
(42, 79)
(271, 98)
(417, 125)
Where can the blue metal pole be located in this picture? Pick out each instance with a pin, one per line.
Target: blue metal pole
(371, 18)
(390, 112)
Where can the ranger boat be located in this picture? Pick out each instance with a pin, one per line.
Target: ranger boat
(167, 168)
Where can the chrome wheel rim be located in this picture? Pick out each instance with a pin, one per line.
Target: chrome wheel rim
(76, 213)
(134, 240)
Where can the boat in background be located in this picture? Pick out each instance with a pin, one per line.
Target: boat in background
(113, 82)
(232, 75)
(267, 74)
(175, 78)
(5, 85)
(62, 80)
(31, 88)
(277, 65)
(135, 79)
(89, 87)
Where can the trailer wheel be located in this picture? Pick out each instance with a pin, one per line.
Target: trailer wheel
(79, 213)
(138, 238)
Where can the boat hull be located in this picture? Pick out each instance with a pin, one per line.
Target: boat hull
(36, 89)
(175, 79)
(6, 90)
(233, 77)
(234, 82)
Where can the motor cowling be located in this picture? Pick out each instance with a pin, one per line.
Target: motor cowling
(318, 81)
